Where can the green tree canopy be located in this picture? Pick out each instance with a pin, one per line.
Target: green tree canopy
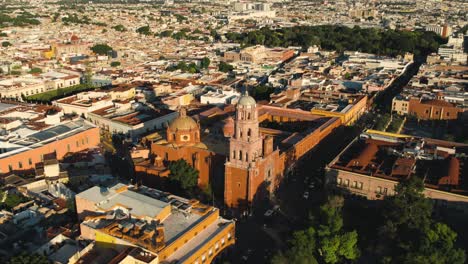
(119, 27)
(340, 38)
(115, 64)
(35, 70)
(410, 235)
(26, 258)
(144, 30)
(325, 240)
(6, 44)
(225, 67)
(205, 63)
(101, 49)
(184, 174)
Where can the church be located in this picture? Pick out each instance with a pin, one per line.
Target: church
(240, 155)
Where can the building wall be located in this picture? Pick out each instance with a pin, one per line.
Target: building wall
(219, 242)
(400, 106)
(134, 131)
(205, 161)
(375, 188)
(350, 116)
(75, 143)
(433, 112)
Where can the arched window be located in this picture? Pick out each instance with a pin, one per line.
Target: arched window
(246, 156)
(249, 132)
(234, 154)
(240, 154)
(248, 116)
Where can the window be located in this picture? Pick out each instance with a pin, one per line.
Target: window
(222, 241)
(346, 182)
(10, 168)
(249, 132)
(385, 190)
(240, 154)
(68, 147)
(354, 184)
(338, 181)
(82, 141)
(30, 161)
(379, 189)
(359, 186)
(20, 165)
(246, 156)
(87, 140)
(238, 184)
(233, 154)
(77, 143)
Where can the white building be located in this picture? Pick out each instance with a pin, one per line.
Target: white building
(220, 97)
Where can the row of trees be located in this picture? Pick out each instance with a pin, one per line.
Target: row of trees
(406, 233)
(191, 67)
(49, 96)
(341, 38)
(21, 20)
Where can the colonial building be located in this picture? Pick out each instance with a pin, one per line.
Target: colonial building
(243, 158)
(182, 141)
(251, 161)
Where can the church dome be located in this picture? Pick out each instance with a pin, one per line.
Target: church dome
(246, 100)
(183, 122)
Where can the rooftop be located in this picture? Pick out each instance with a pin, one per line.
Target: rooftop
(441, 163)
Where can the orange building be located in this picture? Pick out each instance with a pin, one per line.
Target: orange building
(246, 161)
(433, 109)
(251, 163)
(169, 228)
(373, 164)
(182, 141)
(24, 153)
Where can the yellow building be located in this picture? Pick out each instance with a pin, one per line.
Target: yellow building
(349, 114)
(169, 228)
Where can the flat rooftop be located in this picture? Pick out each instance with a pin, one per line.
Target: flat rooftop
(131, 117)
(130, 213)
(40, 138)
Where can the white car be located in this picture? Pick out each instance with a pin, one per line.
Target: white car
(269, 213)
(306, 195)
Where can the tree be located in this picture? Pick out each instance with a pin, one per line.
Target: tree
(225, 67)
(35, 70)
(115, 64)
(324, 240)
(302, 248)
(165, 34)
(26, 258)
(410, 235)
(262, 92)
(144, 30)
(119, 28)
(101, 49)
(334, 244)
(6, 44)
(182, 173)
(205, 63)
